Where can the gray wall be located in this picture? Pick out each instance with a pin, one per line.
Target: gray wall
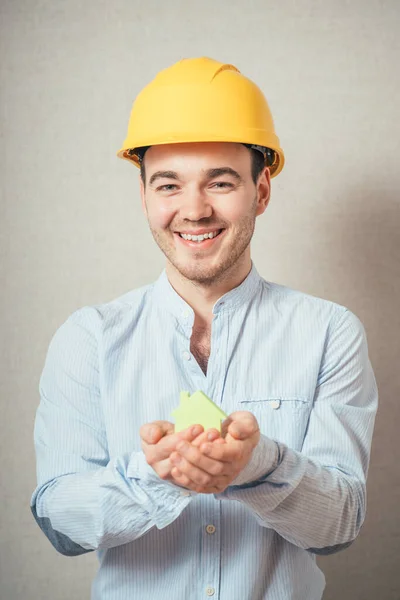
(73, 232)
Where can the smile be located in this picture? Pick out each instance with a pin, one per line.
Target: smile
(204, 240)
(201, 237)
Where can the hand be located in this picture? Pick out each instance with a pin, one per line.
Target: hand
(209, 467)
(159, 440)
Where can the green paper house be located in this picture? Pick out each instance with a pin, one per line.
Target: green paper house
(197, 409)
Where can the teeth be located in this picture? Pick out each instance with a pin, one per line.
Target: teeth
(199, 238)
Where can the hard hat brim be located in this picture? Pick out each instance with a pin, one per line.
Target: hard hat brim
(130, 155)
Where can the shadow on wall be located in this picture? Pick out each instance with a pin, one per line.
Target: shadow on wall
(367, 268)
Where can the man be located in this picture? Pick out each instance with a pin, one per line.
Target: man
(240, 514)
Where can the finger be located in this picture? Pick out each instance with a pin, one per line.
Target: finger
(224, 426)
(243, 425)
(191, 433)
(197, 459)
(193, 472)
(207, 436)
(167, 444)
(219, 440)
(163, 468)
(180, 478)
(151, 433)
(225, 453)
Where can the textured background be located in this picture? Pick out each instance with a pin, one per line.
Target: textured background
(72, 232)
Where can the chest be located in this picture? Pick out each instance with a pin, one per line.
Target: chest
(200, 345)
(266, 369)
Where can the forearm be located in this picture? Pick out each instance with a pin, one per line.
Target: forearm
(311, 505)
(106, 507)
(316, 498)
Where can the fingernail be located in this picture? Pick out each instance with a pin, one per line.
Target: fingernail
(212, 436)
(177, 459)
(196, 430)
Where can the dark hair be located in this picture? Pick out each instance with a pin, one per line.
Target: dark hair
(257, 163)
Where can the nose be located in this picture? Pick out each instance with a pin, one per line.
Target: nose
(195, 205)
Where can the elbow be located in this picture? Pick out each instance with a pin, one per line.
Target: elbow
(347, 527)
(62, 543)
(330, 549)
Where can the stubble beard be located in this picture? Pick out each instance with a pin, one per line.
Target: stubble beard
(207, 275)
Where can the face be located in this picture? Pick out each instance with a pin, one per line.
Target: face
(203, 190)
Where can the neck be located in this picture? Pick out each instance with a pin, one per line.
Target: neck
(202, 297)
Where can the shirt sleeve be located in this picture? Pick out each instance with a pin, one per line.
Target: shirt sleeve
(316, 498)
(84, 499)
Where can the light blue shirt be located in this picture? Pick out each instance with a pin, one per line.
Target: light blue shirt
(298, 362)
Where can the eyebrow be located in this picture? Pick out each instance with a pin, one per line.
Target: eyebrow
(163, 174)
(210, 174)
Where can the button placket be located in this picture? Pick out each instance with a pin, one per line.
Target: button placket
(211, 545)
(216, 368)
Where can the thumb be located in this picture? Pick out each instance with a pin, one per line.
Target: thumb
(243, 425)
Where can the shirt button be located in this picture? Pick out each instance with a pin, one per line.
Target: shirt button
(210, 591)
(185, 493)
(186, 355)
(185, 314)
(210, 529)
(275, 404)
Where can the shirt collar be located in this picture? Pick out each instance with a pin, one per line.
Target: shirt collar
(166, 296)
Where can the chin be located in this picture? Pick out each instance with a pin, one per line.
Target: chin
(202, 270)
(205, 274)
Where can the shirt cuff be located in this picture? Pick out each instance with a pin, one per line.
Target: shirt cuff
(264, 460)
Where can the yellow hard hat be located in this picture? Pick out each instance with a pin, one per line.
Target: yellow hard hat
(202, 100)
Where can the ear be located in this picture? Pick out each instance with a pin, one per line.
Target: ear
(142, 196)
(263, 191)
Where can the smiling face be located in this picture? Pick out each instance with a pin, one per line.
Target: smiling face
(201, 204)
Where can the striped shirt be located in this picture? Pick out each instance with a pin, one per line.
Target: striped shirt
(298, 363)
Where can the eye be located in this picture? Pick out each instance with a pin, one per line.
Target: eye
(222, 184)
(168, 187)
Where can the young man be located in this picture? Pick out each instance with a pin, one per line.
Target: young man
(196, 514)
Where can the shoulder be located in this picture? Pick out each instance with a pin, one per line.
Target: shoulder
(93, 321)
(293, 304)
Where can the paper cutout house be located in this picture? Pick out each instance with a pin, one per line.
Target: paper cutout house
(197, 409)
